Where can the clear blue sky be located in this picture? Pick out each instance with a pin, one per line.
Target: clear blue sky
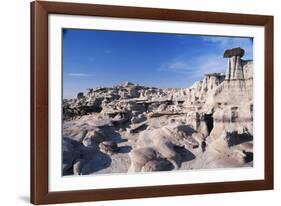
(93, 58)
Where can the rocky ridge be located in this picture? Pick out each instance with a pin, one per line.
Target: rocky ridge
(133, 128)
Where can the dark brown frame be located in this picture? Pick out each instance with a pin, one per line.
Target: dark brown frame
(39, 102)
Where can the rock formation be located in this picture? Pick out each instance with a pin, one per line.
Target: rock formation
(134, 128)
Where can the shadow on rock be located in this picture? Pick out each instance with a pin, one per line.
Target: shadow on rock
(115, 137)
(124, 149)
(98, 162)
(233, 138)
(81, 160)
(158, 165)
(71, 150)
(185, 154)
(249, 156)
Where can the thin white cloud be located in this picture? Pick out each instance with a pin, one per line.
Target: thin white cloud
(231, 42)
(196, 68)
(225, 41)
(177, 66)
(211, 63)
(79, 75)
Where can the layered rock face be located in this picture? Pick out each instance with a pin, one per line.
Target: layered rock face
(133, 128)
(238, 80)
(232, 114)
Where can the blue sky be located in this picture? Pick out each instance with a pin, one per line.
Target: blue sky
(93, 58)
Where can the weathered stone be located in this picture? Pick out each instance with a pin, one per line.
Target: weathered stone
(108, 147)
(137, 128)
(93, 138)
(234, 52)
(157, 165)
(80, 95)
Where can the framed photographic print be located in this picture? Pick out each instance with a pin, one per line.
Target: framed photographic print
(131, 102)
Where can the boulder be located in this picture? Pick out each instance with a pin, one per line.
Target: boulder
(141, 156)
(93, 138)
(108, 147)
(157, 165)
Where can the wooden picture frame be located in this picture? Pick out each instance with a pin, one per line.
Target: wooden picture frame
(39, 102)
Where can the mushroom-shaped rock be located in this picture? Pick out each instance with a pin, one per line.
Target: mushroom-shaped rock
(108, 147)
(235, 69)
(234, 52)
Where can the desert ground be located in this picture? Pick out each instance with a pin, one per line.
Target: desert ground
(135, 128)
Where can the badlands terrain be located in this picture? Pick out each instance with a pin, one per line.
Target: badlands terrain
(134, 128)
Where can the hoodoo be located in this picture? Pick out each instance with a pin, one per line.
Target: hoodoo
(235, 68)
